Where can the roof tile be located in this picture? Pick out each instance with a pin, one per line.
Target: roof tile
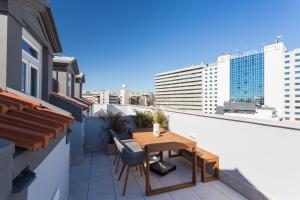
(27, 123)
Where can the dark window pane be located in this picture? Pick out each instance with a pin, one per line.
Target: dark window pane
(23, 81)
(33, 89)
(31, 51)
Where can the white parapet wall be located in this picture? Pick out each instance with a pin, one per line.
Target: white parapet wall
(261, 153)
(52, 175)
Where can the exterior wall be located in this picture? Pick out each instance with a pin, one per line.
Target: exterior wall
(292, 85)
(95, 136)
(77, 139)
(180, 89)
(3, 52)
(274, 70)
(62, 82)
(223, 79)
(14, 54)
(77, 90)
(210, 88)
(124, 95)
(7, 149)
(260, 154)
(52, 174)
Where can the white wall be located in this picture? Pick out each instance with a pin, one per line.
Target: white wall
(52, 175)
(266, 154)
(274, 70)
(223, 79)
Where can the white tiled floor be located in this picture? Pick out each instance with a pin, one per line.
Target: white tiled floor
(95, 179)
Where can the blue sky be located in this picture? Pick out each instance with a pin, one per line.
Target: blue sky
(129, 41)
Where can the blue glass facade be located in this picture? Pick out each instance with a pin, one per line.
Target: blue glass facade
(247, 79)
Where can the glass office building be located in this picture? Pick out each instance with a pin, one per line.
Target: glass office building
(247, 78)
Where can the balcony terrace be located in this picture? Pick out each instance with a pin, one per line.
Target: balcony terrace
(252, 154)
(95, 179)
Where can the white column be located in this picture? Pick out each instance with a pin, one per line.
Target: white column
(274, 76)
(223, 79)
(3, 50)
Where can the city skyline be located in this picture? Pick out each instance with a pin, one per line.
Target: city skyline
(136, 40)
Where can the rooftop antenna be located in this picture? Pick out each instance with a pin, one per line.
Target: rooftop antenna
(278, 38)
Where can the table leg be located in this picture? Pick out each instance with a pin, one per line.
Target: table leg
(194, 180)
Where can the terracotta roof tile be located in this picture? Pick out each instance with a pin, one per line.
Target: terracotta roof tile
(91, 102)
(71, 101)
(26, 123)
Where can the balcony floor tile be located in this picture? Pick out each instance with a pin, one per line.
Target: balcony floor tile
(95, 179)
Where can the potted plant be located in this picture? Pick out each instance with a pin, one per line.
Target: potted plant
(143, 119)
(115, 122)
(159, 121)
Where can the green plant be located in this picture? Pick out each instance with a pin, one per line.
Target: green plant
(143, 119)
(115, 121)
(160, 118)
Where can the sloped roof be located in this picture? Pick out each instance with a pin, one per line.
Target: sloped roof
(65, 61)
(27, 123)
(71, 100)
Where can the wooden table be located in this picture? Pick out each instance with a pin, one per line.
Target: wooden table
(167, 141)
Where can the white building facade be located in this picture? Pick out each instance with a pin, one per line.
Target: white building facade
(180, 89)
(124, 95)
(210, 88)
(292, 85)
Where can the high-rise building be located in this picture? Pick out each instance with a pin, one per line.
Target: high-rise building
(180, 89)
(253, 77)
(124, 95)
(210, 88)
(292, 85)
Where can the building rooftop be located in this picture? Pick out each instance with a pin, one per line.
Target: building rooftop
(95, 179)
(27, 123)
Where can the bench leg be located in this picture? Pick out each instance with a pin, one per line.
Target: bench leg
(204, 177)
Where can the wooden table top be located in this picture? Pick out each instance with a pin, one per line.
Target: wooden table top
(166, 141)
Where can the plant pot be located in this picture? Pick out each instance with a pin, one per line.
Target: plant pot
(156, 130)
(111, 149)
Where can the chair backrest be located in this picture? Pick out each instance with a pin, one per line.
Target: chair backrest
(119, 144)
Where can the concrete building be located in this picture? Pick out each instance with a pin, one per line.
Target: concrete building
(107, 97)
(249, 77)
(180, 89)
(65, 73)
(292, 85)
(34, 142)
(124, 95)
(210, 88)
(92, 96)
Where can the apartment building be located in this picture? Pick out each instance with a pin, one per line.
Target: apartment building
(254, 76)
(107, 97)
(210, 88)
(292, 85)
(180, 89)
(34, 133)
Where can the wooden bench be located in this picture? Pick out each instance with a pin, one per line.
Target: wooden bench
(206, 158)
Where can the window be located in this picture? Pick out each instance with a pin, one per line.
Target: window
(297, 113)
(286, 79)
(297, 89)
(297, 72)
(286, 73)
(297, 95)
(287, 56)
(297, 54)
(297, 60)
(287, 118)
(29, 49)
(286, 62)
(287, 90)
(286, 67)
(297, 78)
(33, 82)
(287, 113)
(297, 66)
(297, 83)
(30, 65)
(287, 84)
(24, 76)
